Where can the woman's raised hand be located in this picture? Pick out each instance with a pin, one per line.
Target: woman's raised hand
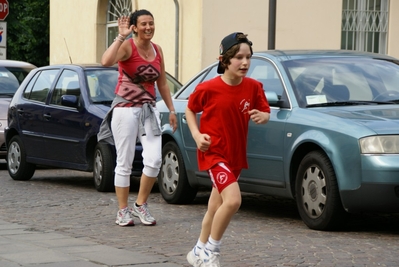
(123, 26)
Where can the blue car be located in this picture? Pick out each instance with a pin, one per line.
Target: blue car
(54, 118)
(332, 142)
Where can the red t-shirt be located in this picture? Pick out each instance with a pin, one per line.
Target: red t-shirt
(225, 119)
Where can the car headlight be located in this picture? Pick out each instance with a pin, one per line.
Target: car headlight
(384, 144)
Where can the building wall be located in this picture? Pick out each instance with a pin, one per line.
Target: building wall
(79, 26)
(221, 18)
(73, 29)
(308, 24)
(393, 29)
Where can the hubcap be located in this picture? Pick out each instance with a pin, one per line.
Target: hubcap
(97, 168)
(314, 192)
(14, 157)
(170, 173)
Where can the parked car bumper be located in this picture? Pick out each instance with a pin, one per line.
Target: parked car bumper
(3, 148)
(379, 189)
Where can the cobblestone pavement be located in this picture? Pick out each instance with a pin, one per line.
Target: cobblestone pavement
(266, 231)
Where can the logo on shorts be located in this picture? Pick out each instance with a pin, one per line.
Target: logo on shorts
(221, 177)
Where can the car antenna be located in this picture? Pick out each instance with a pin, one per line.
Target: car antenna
(70, 59)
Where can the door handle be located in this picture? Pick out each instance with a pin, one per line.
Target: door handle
(47, 116)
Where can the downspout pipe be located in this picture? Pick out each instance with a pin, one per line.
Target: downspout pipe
(272, 25)
(177, 39)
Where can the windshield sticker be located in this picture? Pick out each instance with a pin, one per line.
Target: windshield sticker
(316, 99)
(4, 74)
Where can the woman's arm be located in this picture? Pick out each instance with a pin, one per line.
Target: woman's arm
(164, 90)
(119, 49)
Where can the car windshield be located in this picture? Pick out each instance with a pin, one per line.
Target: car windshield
(344, 80)
(10, 79)
(102, 83)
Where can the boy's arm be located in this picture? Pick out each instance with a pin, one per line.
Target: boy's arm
(203, 141)
(259, 117)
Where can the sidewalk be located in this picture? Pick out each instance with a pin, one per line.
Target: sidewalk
(21, 246)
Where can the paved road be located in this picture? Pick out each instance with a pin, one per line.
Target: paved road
(265, 232)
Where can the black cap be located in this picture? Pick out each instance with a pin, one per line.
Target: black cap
(228, 42)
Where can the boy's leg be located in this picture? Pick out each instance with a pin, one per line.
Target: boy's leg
(215, 201)
(231, 202)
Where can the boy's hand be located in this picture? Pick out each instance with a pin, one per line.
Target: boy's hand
(203, 141)
(259, 117)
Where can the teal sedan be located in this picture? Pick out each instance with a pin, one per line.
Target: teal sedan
(332, 142)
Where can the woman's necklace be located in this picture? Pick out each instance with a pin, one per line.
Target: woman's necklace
(144, 53)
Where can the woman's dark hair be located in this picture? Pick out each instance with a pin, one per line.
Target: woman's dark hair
(138, 13)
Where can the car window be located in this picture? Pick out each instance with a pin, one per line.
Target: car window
(190, 88)
(265, 72)
(261, 70)
(8, 83)
(67, 84)
(174, 86)
(11, 78)
(212, 73)
(101, 84)
(326, 80)
(40, 85)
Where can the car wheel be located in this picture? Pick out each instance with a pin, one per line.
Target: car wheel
(172, 179)
(103, 168)
(17, 166)
(317, 193)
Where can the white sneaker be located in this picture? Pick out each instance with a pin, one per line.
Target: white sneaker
(124, 218)
(194, 260)
(209, 258)
(143, 213)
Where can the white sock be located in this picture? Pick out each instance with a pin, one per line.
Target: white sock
(213, 245)
(198, 247)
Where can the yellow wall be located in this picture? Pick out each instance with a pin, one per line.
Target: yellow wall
(221, 18)
(73, 28)
(393, 29)
(300, 24)
(308, 24)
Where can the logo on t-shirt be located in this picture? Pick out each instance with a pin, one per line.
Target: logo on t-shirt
(245, 105)
(147, 73)
(221, 177)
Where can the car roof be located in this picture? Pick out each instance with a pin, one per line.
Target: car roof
(15, 63)
(80, 65)
(283, 55)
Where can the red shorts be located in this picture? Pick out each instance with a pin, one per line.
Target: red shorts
(222, 176)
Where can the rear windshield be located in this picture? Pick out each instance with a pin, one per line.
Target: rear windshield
(10, 79)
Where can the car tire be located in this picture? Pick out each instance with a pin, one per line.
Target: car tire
(103, 168)
(317, 193)
(17, 166)
(172, 179)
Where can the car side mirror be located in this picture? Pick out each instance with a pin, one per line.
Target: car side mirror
(273, 99)
(70, 101)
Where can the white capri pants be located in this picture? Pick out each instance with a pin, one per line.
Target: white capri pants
(124, 126)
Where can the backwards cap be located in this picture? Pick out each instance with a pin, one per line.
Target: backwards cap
(228, 42)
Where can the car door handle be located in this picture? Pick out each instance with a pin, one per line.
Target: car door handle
(20, 111)
(47, 116)
(183, 119)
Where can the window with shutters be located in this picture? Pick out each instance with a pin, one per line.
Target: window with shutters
(365, 25)
(116, 9)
